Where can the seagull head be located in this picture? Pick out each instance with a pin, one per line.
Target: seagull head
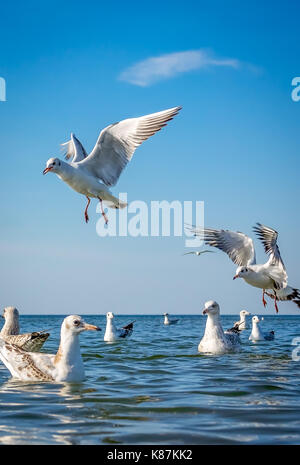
(110, 315)
(10, 312)
(255, 319)
(211, 307)
(245, 313)
(242, 272)
(166, 314)
(75, 324)
(53, 164)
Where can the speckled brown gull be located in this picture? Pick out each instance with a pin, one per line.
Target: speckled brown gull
(65, 365)
(10, 332)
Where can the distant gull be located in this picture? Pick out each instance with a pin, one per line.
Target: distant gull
(10, 332)
(91, 175)
(271, 275)
(242, 323)
(198, 252)
(215, 340)
(170, 321)
(257, 334)
(66, 365)
(112, 333)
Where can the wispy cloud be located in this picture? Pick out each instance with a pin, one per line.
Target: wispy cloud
(153, 69)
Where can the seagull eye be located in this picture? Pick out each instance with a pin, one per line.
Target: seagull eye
(76, 322)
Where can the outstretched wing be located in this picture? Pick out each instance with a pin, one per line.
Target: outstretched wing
(275, 265)
(31, 342)
(238, 246)
(74, 150)
(116, 144)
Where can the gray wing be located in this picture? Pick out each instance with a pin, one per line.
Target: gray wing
(275, 265)
(238, 246)
(117, 143)
(74, 150)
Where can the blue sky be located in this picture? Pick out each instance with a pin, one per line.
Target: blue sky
(235, 145)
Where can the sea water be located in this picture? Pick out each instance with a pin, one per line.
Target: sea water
(154, 388)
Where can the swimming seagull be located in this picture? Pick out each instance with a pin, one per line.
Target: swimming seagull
(66, 365)
(10, 332)
(271, 275)
(92, 175)
(198, 252)
(169, 321)
(215, 340)
(242, 323)
(257, 334)
(112, 333)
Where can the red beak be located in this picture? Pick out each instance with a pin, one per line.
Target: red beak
(46, 170)
(236, 276)
(204, 312)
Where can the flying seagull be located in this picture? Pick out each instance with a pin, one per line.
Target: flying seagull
(92, 175)
(194, 252)
(271, 276)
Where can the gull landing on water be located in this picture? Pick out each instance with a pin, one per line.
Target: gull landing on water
(92, 175)
(215, 340)
(10, 332)
(66, 365)
(270, 276)
(112, 333)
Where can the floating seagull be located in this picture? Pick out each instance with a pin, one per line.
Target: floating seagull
(215, 340)
(242, 323)
(91, 175)
(10, 332)
(239, 247)
(168, 321)
(198, 252)
(66, 365)
(257, 334)
(112, 333)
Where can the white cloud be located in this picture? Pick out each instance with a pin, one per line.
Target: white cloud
(151, 70)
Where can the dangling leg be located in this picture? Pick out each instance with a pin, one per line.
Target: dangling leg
(275, 301)
(102, 211)
(86, 210)
(263, 298)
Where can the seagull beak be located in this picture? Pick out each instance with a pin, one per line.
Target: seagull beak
(204, 312)
(46, 170)
(88, 327)
(236, 276)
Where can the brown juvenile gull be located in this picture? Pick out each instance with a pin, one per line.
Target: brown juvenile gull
(10, 332)
(92, 175)
(65, 365)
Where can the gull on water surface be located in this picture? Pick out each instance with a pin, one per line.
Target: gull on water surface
(257, 334)
(242, 323)
(170, 321)
(10, 332)
(65, 365)
(239, 247)
(112, 333)
(215, 340)
(92, 175)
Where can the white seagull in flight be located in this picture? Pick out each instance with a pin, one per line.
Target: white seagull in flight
(271, 275)
(198, 252)
(92, 175)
